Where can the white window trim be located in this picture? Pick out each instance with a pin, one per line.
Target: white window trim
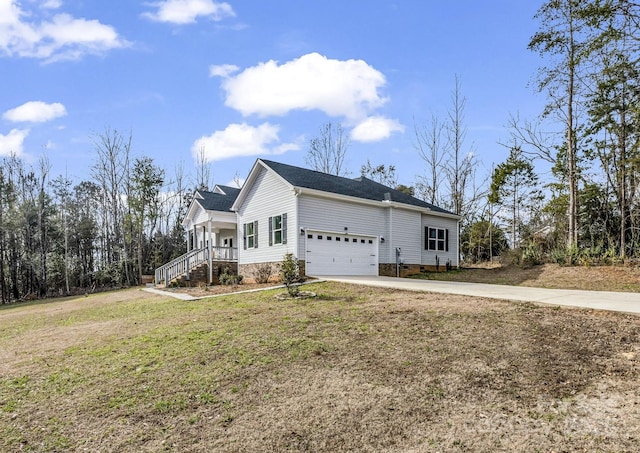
(437, 239)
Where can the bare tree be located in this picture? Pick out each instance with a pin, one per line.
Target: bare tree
(327, 151)
(62, 191)
(43, 221)
(203, 170)
(460, 171)
(111, 171)
(237, 180)
(429, 147)
(383, 174)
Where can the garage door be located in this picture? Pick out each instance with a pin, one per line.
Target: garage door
(331, 254)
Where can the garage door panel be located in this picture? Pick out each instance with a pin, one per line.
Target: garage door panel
(330, 254)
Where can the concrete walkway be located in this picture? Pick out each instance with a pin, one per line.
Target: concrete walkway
(598, 300)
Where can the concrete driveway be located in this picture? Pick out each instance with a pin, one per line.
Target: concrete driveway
(598, 300)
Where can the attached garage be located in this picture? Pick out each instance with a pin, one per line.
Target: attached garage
(341, 254)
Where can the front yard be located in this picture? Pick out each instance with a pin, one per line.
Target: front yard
(355, 369)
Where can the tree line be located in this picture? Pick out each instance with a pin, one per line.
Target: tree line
(588, 133)
(58, 238)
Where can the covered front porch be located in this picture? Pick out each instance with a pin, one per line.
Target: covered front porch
(211, 236)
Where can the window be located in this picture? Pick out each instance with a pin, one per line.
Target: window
(251, 235)
(436, 239)
(278, 229)
(337, 238)
(354, 240)
(329, 238)
(309, 236)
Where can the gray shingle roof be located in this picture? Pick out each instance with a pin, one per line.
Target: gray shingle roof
(359, 187)
(213, 201)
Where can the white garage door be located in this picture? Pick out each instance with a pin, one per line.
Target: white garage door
(331, 254)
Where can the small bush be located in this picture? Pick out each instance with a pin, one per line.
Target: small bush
(558, 256)
(228, 278)
(263, 272)
(290, 274)
(572, 255)
(531, 255)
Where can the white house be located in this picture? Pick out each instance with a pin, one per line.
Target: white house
(333, 225)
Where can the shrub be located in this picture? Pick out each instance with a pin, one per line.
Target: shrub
(290, 274)
(531, 255)
(558, 256)
(572, 255)
(263, 272)
(228, 278)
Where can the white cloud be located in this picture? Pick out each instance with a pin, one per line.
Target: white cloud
(51, 4)
(35, 112)
(312, 82)
(62, 38)
(236, 182)
(242, 140)
(187, 11)
(13, 142)
(222, 70)
(375, 128)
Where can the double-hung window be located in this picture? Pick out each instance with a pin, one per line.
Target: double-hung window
(251, 235)
(278, 229)
(436, 239)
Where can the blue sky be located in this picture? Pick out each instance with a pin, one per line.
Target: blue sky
(248, 78)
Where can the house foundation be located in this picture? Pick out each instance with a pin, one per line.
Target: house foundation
(248, 271)
(392, 270)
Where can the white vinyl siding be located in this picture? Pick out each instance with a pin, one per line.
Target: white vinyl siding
(406, 235)
(323, 214)
(268, 196)
(200, 215)
(443, 224)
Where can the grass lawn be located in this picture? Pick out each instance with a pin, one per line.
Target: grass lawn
(355, 369)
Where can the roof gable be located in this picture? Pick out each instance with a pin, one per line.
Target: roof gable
(221, 199)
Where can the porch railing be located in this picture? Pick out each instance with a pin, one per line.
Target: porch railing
(190, 260)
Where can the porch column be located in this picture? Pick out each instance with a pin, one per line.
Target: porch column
(195, 237)
(187, 236)
(210, 254)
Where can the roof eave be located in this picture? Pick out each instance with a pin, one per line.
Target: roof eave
(381, 203)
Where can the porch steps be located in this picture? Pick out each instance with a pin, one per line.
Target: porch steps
(200, 274)
(197, 276)
(190, 262)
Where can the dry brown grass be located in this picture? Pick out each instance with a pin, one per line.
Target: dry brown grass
(355, 369)
(595, 278)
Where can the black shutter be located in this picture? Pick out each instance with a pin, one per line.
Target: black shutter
(284, 228)
(446, 239)
(270, 231)
(244, 235)
(426, 238)
(255, 234)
